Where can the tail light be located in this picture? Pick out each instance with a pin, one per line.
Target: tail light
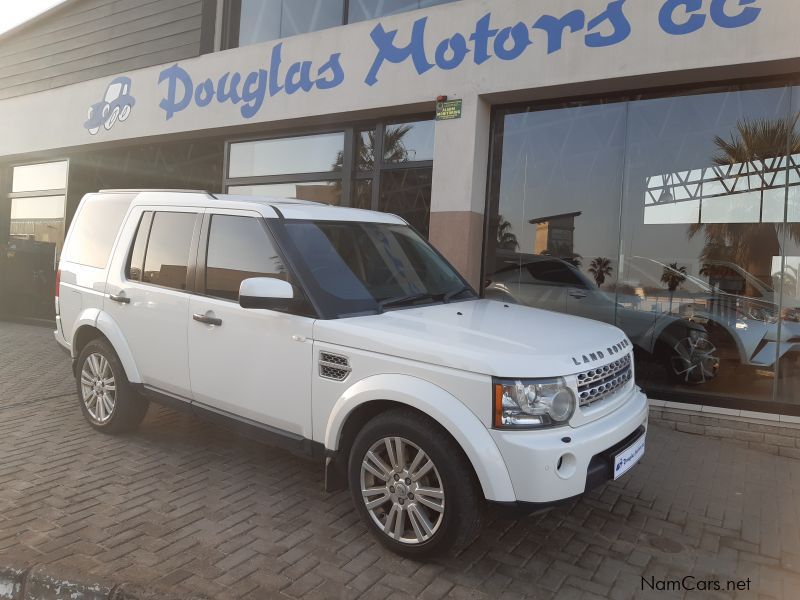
(58, 283)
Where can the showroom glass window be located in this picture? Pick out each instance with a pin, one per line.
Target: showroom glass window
(256, 21)
(304, 167)
(669, 217)
(385, 165)
(35, 238)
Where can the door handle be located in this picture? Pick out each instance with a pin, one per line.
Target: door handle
(119, 299)
(205, 319)
(578, 295)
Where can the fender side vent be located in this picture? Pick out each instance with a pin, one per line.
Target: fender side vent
(333, 366)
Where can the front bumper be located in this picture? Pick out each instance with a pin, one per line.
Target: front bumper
(533, 457)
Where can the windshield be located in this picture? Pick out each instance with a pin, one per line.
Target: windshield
(355, 268)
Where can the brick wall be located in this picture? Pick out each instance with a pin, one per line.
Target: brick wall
(767, 436)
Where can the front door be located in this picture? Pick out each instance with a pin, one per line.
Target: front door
(255, 364)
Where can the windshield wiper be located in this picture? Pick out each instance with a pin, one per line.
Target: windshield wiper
(390, 302)
(457, 292)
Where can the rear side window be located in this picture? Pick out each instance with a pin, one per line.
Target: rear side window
(95, 229)
(166, 256)
(239, 248)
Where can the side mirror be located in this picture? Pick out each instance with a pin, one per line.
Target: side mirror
(265, 293)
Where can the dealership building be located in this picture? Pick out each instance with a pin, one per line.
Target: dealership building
(635, 162)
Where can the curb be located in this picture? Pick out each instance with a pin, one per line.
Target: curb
(37, 583)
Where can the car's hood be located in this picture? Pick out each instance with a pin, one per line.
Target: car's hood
(482, 336)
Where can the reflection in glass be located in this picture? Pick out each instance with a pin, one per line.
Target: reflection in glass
(362, 194)
(407, 193)
(267, 20)
(365, 150)
(700, 248)
(703, 276)
(361, 10)
(306, 154)
(238, 249)
(45, 176)
(555, 234)
(408, 142)
(167, 259)
(327, 192)
(37, 225)
(786, 272)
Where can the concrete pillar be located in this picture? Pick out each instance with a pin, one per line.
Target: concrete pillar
(460, 164)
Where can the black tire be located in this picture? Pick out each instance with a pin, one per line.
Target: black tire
(129, 408)
(462, 517)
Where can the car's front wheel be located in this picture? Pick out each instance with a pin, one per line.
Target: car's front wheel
(692, 360)
(413, 486)
(107, 399)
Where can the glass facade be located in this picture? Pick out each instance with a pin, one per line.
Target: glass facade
(340, 168)
(35, 238)
(256, 21)
(675, 218)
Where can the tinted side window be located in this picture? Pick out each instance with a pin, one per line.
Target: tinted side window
(167, 259)
(96, 228)
(136, 261)
(239, 248)
(557, 272)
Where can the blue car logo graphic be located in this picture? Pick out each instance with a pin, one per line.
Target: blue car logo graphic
(115, 106)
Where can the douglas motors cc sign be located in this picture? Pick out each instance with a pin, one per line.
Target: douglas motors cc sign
(488, 41)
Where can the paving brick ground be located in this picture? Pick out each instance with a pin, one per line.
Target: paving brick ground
(186, 506)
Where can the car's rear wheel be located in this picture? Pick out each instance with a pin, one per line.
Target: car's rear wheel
(107, 399)
(413, 486)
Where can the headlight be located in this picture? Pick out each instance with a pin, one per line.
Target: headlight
(532, 403)
(761, 313)
(790, 314)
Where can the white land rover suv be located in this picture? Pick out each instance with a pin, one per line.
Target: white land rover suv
(342, 334)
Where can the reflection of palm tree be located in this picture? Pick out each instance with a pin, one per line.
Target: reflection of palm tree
(759, 145)
(506, 238)
(673, 276)
(787, 281)
(394, 151)
(600, 268)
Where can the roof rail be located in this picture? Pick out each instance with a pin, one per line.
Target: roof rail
(206, 192)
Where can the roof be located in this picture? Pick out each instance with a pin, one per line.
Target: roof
(268, 207)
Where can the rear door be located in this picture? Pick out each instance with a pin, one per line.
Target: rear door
(148, 294)
(255, 364)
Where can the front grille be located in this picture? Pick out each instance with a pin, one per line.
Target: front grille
(333, 366)
(602, 382)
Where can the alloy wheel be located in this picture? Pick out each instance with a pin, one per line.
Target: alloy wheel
(402, 490)
(694, 360)
(98, 387)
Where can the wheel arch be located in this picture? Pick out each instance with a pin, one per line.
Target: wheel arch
(374, 395)
(94, 324)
